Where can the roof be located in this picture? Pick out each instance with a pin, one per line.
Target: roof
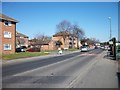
(46, 42)
(61, 34)
(21, 35)
(4, 17)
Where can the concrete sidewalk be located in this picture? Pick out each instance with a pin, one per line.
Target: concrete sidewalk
(102, 75)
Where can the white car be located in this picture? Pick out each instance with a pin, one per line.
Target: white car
(84, 49)
(102, 47)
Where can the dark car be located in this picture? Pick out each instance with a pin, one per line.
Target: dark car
(21, 49)
(18, 49)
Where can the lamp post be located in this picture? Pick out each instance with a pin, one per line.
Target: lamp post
(110, 27)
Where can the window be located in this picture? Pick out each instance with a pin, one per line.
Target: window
(70, 40)
(7, 23)
(70, 36)
(74, 40)
(0, 19)
(7, 47)
(7, 34)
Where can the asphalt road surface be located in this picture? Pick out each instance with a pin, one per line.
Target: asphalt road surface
(51, 72)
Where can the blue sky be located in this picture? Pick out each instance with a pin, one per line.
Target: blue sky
(42, 17)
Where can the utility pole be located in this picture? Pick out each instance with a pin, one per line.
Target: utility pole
(110, 27)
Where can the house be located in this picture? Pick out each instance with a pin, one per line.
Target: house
(21, 40)
(50, 45)
(7, 34)
(68, 40)
(44, 45)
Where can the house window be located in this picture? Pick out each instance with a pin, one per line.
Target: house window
(7, 47)
(74, 40)
(7, 34)
(7, 23)
(0, 19)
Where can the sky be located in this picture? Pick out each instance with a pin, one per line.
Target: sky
(42, 17)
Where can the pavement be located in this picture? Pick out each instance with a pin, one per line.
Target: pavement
(103, 74)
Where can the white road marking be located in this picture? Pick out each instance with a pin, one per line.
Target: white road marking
(88, 54)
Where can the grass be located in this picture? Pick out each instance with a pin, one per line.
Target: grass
(30, 54)
(23, 55)
(73, 49)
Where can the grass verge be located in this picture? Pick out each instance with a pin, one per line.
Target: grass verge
(23, 55)
(73, 49)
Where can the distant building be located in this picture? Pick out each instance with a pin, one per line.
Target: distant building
(7, 34)
(21, 40)
(68, 40)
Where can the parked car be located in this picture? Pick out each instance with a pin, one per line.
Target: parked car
(18, 49)
(84, 49)
(34, 49)
(21, 49)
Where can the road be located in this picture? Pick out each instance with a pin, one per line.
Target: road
(61, 71)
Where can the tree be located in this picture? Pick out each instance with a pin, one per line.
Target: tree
(77, 32)
(89, 41)
(64, 28)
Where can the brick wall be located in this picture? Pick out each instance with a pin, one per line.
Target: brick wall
(59, 38)
(67, 42)
(0, 38)
(11, 40)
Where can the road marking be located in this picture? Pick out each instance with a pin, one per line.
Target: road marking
(88, 54)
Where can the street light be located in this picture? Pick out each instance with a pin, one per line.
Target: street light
(110, 26)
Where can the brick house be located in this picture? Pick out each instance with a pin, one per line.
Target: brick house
(47, 45)
(50, 45)
(68, 40)
(21, 39)
(7, 34)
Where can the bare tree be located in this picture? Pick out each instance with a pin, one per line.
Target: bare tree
(64, 28)
(89, 41)
(77, 32)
